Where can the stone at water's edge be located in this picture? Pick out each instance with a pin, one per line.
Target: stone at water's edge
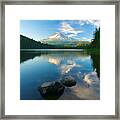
(68, 81)
(51, 90)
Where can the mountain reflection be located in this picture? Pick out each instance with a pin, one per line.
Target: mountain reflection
(43, 67)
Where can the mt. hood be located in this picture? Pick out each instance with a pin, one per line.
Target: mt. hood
(60, 39)
(58, 36)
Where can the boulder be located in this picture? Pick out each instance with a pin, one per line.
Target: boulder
(51, 90)
(68, 81)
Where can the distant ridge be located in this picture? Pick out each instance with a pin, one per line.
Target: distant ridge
(28, 43)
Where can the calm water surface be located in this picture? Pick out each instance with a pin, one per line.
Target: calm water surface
(38, 67)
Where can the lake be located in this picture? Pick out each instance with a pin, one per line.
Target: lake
(59, 75)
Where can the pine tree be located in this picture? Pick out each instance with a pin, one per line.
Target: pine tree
(96, 41)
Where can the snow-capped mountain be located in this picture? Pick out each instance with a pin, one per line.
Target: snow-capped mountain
(58, 36)
(60, 39)
(56, 39)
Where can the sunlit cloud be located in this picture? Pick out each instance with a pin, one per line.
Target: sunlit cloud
(67, 28)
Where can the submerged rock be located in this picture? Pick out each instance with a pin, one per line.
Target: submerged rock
(51, 90)
(68, 81)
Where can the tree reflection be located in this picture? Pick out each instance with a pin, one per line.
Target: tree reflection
(96, 62)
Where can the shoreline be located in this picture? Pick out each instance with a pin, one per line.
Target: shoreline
(51, 50)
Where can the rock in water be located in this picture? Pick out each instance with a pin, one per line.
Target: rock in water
(51, 90)
(68, 81)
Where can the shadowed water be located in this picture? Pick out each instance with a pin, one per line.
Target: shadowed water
(39, 68)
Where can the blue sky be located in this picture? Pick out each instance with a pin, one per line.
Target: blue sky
(42, 29)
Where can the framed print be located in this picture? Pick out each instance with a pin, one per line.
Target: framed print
(60, 59)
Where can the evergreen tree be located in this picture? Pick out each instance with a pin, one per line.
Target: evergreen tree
(96, 41)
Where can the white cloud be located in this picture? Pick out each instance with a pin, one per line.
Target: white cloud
(81, 22)
(66, 28)
(85, 39)
(71, 35)
(89, 21)
(76, 32)
(95, 22)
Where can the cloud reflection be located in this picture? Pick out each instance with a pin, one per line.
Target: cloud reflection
(79, 92)
(91, 78)
(54, 61)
